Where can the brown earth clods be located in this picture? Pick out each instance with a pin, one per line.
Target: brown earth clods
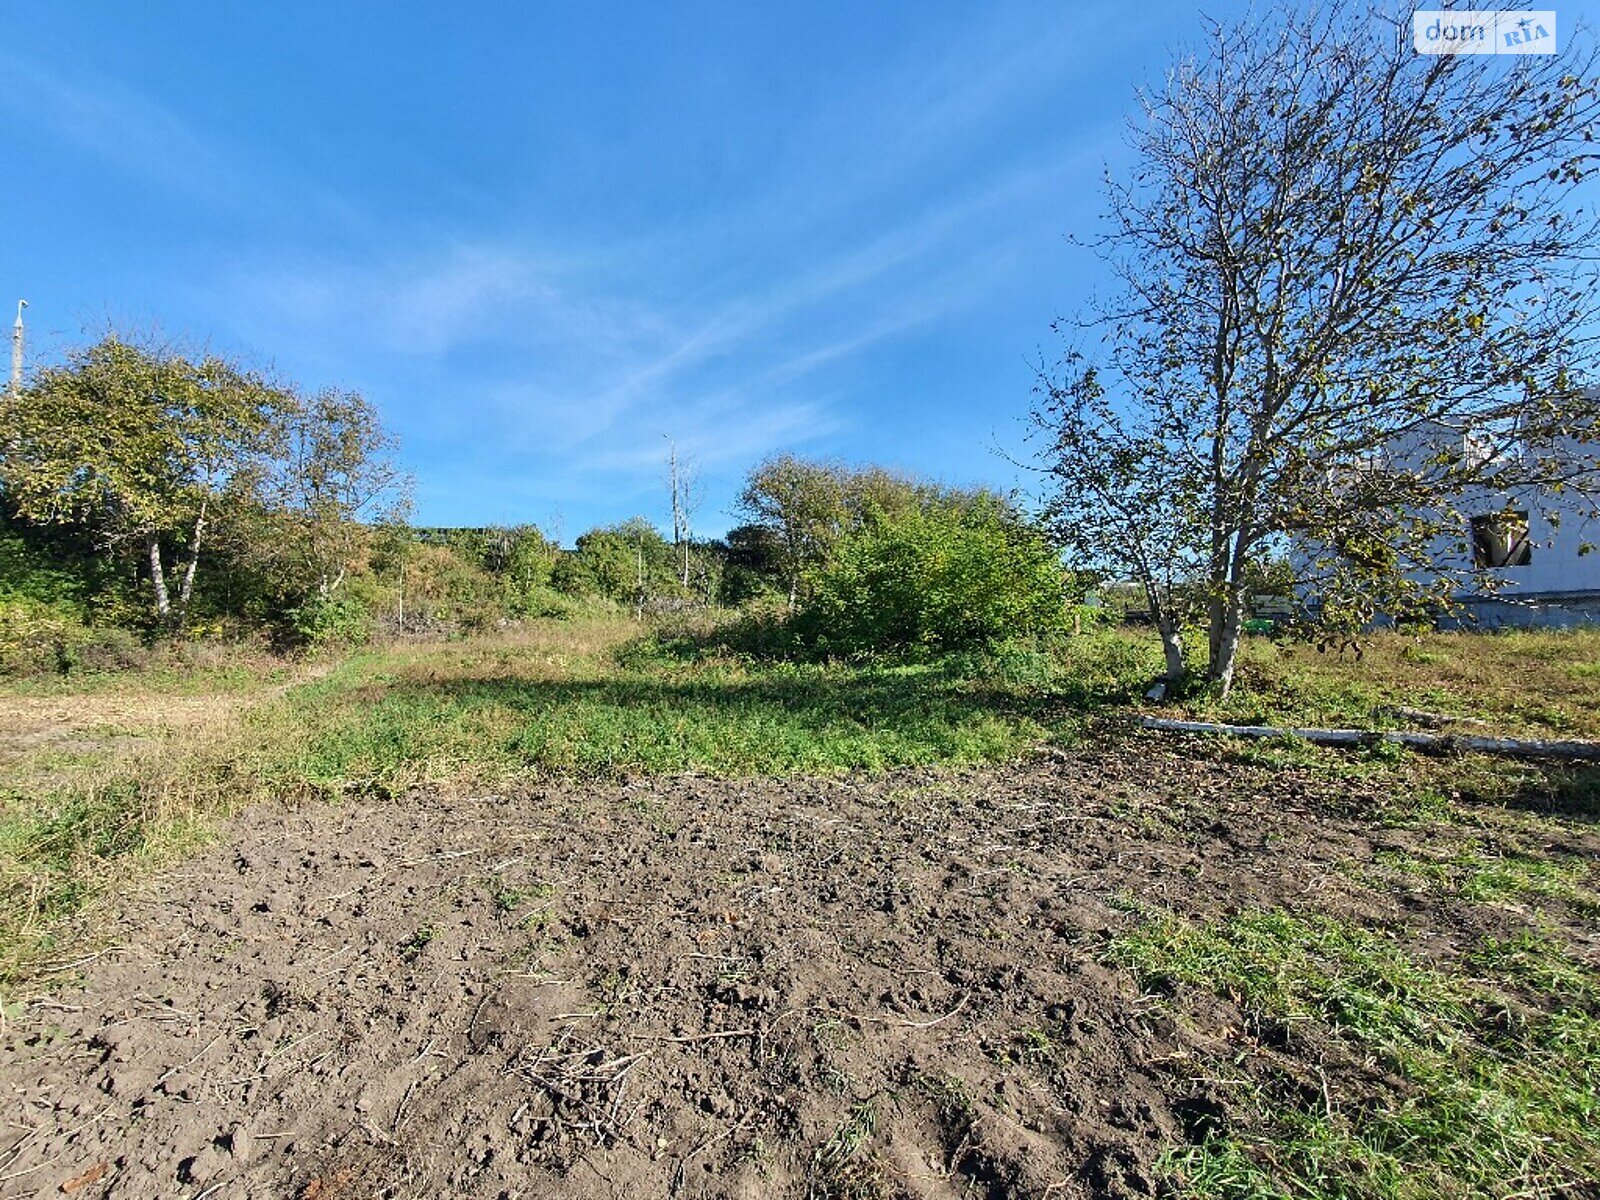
(888, 986)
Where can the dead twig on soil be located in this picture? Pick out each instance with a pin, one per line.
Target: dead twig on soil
(705, 1144)
(58, 967)
(585, 1089)
(699, 1037)
(960, 1004)
(441, 856)
(902, 1023)
(171, 1071)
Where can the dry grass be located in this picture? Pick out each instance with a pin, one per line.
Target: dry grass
(1533, 683)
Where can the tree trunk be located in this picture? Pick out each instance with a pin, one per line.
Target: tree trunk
(1172, 648)
(326, 586)
(1216, 620)
(186, 589)
(158, 577)
(1227, 624)
(1227, 616)
(1171, 635)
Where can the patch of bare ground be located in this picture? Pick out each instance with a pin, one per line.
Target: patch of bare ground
(891, 986)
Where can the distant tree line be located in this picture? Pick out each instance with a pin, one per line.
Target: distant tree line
(152, 493)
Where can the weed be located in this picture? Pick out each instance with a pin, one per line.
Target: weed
(506, 899)
(1492, 1106)
(1476, 875)
(411, 949)
(1032, 1046)
(842, 1169)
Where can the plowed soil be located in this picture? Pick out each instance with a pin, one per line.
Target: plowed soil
(887, 986)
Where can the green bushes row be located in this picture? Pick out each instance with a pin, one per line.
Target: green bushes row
(38, 638)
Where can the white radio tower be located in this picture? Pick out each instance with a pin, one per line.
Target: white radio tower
(16, 350)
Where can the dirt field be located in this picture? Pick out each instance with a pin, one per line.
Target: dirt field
(889, 986)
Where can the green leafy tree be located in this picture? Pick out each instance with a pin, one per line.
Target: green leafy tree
(750, 559)
(802, 504)
(1330, 244)
(144, 445)
(336, 473)
(630, 563)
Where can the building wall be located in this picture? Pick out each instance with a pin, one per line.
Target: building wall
(1559, 587)
(1557, 566)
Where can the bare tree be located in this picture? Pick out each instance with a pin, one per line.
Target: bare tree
(1329, 244)
(688, 490)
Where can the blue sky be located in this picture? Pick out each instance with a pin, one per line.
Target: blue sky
(543, 238)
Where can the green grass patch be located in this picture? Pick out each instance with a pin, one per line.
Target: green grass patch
(384, 722)
(1488, 1080)
(1479, 875)
(1536, 683)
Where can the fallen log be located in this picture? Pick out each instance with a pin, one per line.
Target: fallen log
(1431, 742)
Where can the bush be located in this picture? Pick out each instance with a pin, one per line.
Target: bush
(942, 577)
(35, 638)
(45, 639)
(1017, 663)
(342, 621)
(106, 649)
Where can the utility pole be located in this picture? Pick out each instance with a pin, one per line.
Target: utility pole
(680, 520)
(16, 351)
(638, 593)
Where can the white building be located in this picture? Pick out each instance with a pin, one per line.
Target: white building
(1526, 546)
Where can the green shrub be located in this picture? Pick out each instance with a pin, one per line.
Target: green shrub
(340, 621)
(1018, 663)
(938, 578)
(109, 649)
(45, 639)
(28, 573)
(35, 637)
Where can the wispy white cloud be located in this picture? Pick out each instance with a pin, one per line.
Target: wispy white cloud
(116, 124)
(736, 330)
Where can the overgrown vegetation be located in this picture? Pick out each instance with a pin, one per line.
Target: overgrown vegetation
(150, 495)
(937, 577)
(1529, 683)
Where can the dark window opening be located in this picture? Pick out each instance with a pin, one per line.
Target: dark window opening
(1501, 540)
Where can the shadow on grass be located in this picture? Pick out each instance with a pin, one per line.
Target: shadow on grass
(780, 723)
(1080, 677)
(1569, 792)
